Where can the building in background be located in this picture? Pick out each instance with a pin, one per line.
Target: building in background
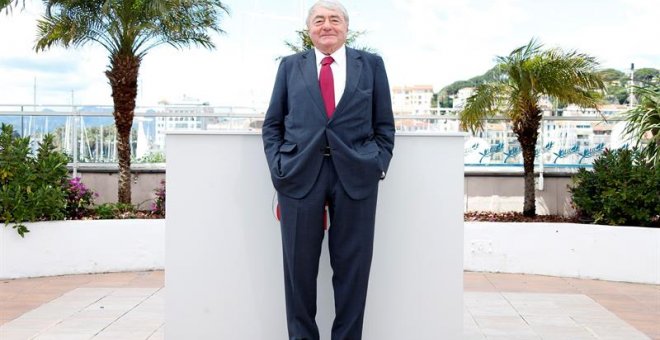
(461, 96)
(184, 115)
(412, 100)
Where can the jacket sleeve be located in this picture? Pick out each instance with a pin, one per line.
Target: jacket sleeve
(383, 117)
(273, 128)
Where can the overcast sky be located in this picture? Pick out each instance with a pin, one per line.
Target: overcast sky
(422, 42)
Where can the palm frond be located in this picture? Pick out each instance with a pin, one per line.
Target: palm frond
(485, 102)
(516, 68)
(643, 122)
(8, 6)
(72, 23)
(531, 72)
(568, 76)
(520, 104)
(130, 27)
(186, 25)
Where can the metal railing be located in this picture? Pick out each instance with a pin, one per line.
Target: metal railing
(88, 136)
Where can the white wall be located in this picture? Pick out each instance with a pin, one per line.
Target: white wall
(506, 193)
(629, 254)
(569, 250)
(224, 274)
(105, 183)
(496, 192)
(80, 247)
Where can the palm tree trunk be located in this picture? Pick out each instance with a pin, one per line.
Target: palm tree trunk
(528, 151)
(123, 76)
(527, 130)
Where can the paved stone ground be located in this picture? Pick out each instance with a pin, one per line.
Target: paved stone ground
(127, 306)
(93, 313)
(517, 316)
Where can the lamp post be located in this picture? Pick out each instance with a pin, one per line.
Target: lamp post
(631, 87)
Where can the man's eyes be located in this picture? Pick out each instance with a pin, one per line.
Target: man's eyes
(333, 20)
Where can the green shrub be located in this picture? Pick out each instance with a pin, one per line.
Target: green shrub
(31, 185)
(154, 157)
(622, 189)
(108, 211)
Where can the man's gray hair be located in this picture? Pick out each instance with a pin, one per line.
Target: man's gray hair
(328, 4)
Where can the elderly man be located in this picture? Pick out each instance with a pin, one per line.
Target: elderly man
(328, 137)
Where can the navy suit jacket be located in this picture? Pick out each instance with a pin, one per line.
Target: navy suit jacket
(360, 133)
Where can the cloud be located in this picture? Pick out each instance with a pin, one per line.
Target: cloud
(422, 42)
(40, 64)
(454, 40)
(451, 40)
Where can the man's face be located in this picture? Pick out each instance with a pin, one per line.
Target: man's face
(327, 29)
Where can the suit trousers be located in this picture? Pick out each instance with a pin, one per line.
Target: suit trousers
(350, 240)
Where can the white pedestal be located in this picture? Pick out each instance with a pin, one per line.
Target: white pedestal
(224, 276)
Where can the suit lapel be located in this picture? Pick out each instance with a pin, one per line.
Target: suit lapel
(353, 73)
(311, 79)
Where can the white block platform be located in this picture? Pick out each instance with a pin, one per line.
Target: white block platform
(223, 262)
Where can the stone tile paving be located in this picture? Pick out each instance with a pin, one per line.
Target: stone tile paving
(93, 313)
(541, 316)
(636, 304)
(126, 306)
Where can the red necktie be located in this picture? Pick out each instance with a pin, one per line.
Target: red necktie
(327, 85)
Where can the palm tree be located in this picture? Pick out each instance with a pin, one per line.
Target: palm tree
(522, 78)
(128, 29)
(643, 122)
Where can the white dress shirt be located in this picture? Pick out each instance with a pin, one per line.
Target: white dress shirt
(338, 68)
